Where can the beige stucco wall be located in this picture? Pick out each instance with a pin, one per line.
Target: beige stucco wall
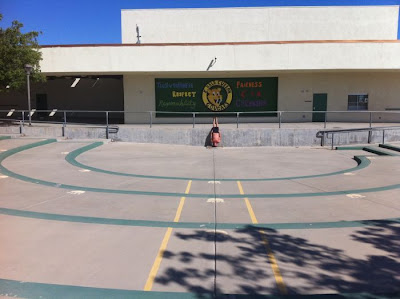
(295, 93)
(259, 24)
(260, 57)
(139, 96)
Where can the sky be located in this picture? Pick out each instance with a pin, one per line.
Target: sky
(99, 21)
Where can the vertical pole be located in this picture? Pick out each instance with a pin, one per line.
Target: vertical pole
(29, 99)
(106, 124)
(370, 119)
(64, 124)
(20, 127)
(369, 136)
(151, 118)
(237, 120)
(23, 117)
(65, 118)
(383, 136)
(194, 117)
(332, 141)
(325, 120)
(280, 118)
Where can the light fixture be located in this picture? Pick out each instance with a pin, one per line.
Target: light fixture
(75, 82)
(53, 112)
(213, 61)
(10, 112)
(28, 69)
(95, 82)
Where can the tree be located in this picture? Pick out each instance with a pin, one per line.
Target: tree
(16, 50)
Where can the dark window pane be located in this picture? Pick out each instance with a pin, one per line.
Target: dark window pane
(357, 102)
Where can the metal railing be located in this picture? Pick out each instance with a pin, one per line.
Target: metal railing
(103, 119)
(323, 133)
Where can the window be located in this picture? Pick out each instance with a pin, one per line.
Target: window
(358, 102)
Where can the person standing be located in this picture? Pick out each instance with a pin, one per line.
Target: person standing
(215, 134)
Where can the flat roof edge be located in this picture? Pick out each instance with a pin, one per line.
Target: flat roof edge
(258, 7)
(225, 43)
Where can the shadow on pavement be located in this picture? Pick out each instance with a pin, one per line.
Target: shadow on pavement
(305, 267)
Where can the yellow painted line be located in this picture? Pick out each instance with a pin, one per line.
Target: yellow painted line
(157, 262)
(240, 187)
(181, 203)
(251, 212)
(274, 265)
(156, 265)
(271, 257)
(248, 205)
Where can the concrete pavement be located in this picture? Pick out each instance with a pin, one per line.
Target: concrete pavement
(121, 220)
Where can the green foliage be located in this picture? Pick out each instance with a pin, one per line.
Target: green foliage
(16, 50)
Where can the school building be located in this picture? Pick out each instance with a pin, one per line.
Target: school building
(253, 60)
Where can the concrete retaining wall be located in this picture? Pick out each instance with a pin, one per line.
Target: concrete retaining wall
(197, 136)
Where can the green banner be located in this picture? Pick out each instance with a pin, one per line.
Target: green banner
(217, 95)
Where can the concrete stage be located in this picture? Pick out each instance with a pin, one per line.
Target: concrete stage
(87, 218)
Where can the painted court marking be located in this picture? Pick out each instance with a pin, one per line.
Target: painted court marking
(355, 195)
(76, 192)
(154, 193)
(194, 225)
(271, 257)
(362, 162)
(217, 200)
(252, 216)
(156, 265)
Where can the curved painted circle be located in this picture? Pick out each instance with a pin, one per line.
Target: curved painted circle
(166, 194)
(58, 289)
(362, 161)
(194, 225)
(151, 223)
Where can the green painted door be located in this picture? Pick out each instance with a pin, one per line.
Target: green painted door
(319, 104)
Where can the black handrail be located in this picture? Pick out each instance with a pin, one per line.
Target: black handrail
(321, 134)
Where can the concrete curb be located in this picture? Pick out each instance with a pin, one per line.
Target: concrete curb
(197, 136)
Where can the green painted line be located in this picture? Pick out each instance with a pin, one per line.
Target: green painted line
(71, 158)
(106, 221)
(390, 147)
(378, 151)
(349, 148)
(14, 288)
(9, 173)
(5, 137)
(43, 290)
(193, 225)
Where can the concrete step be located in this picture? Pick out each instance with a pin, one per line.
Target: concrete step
(350, 148)
(379, 151)
(390, 147)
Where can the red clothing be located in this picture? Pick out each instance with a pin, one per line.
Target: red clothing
(216, 138)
